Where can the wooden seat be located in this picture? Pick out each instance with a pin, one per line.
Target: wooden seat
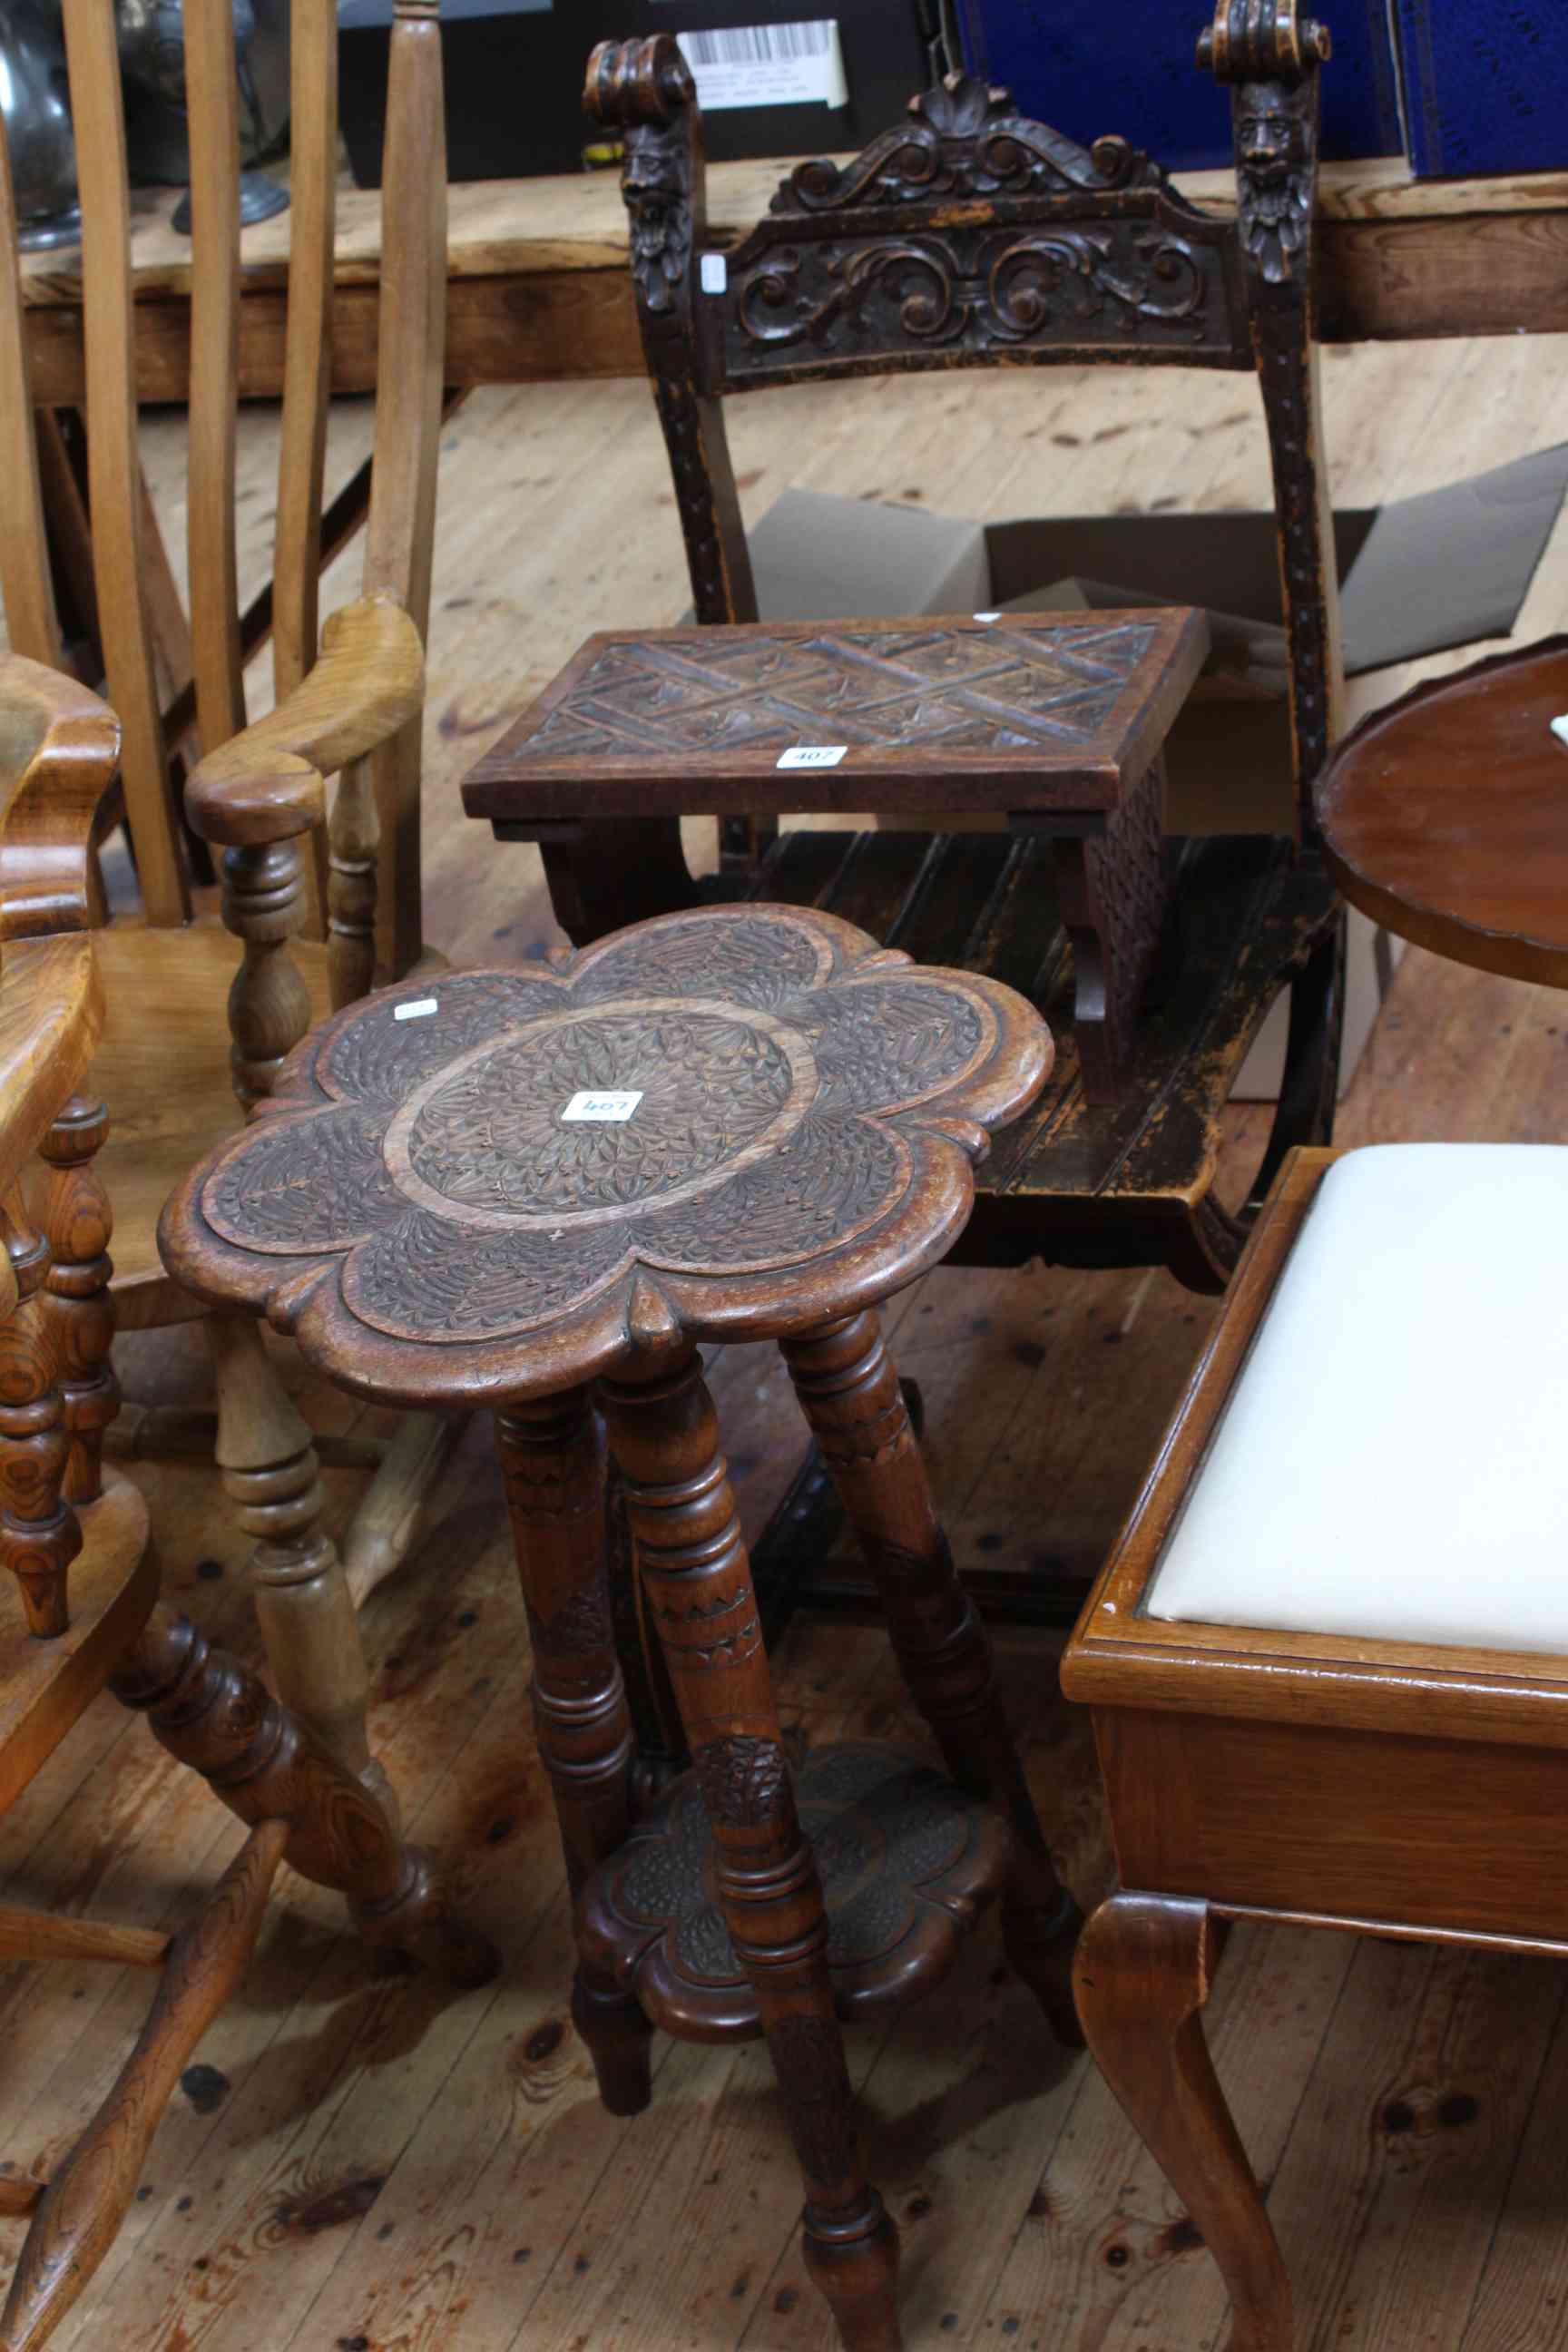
(79, 1595)
(166, 1110)
(537, 1189)
(1328, 1677)
(319, 884)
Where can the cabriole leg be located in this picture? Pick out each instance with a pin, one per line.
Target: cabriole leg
(849, 1390)
(693, 1559)
(1144, 1967)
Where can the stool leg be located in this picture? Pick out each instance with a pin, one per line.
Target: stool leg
(665, 1436)
(552, 1461)
(849, 1391)
(1142, 1975)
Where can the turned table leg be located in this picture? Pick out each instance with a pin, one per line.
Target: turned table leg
(552, 1463)
(665, 1436)
(850, 1394)
(1143, 1971)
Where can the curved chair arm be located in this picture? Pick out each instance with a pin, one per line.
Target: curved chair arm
(59, 747)
(266, 783)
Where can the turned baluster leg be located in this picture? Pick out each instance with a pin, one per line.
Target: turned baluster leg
(215, 1714)
(849, 1390)
(353, 849)
(40, 1537)
(302, 1599)
(553, 1461)
(1143, 1971)
(268, 1003)
(665, 1439)
(79, 1221)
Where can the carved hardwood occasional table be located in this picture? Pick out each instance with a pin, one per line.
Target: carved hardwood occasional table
(537, 1190)
(1055, 723)
(1445, 816)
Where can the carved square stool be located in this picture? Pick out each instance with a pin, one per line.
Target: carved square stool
(1051, 724)
(537, 1190)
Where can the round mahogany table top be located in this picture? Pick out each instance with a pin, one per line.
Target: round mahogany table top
(1444, 817)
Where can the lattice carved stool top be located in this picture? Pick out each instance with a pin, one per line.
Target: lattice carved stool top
(1020, 712)
(735, 1123)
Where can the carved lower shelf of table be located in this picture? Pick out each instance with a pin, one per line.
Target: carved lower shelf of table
(908, 1863)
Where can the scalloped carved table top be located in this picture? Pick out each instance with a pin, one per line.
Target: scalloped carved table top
(733, 1123)
(1051, 711)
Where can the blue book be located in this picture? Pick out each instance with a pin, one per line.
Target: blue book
(1134, 72)
(1483, 88)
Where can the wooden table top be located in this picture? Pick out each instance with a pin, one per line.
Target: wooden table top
(1013, 712)
(1445, 815)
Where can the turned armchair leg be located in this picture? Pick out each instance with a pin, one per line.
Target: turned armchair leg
(302, 1597)
(213, 1714)
(1143, 1971)
(851, 1393)
(79, 2215)
(693, 1561)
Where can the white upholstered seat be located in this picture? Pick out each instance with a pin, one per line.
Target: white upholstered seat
(1394, 1459)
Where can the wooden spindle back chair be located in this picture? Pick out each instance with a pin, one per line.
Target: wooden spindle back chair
(79, 1582)
(350, 873)
(190, 1028)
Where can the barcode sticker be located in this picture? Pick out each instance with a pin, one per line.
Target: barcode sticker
(417, 1009)
(715, 273)
(813, 755)
(606, 1107)
(767, 65)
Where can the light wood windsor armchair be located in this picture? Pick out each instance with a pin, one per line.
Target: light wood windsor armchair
(79, 1599)
(186, 1031)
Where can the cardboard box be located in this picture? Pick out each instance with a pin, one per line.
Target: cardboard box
(774, 76)
(1482, 88)
(1086, 72)
(1418, 576)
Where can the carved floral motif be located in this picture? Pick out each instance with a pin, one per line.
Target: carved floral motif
(788, 1075)
(973, 290)
(965, 139)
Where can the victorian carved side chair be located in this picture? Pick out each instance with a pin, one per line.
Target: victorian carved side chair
(537, 1190)
(971, 236)
(79, 1597)
(202, 1008)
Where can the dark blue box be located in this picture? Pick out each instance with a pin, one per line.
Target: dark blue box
(1484, 87)
(1133, 70)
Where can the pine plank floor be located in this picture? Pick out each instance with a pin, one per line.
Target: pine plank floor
(364, 2165)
